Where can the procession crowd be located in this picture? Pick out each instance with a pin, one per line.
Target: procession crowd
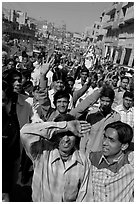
(67, 126)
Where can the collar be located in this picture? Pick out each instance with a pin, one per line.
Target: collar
(109, 114)
(75, 157)
(116, 160)
(121, 108)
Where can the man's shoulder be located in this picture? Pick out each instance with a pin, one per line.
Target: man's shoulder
(94, 116)
(81, 157)
(118, 108)
(23, 101)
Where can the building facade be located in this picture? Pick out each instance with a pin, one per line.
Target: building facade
(119, 38)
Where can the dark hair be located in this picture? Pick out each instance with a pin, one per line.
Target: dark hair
(61, 94)
(59, 75)
(128, 94)
(10, 60)
(125, 132)
(94, 76)
(10, 74)
(39, 57)
(24, 54)
(115, 77)
(70, 79)
(84, 69)
(7, 89)
(122, 72)
(107, 91)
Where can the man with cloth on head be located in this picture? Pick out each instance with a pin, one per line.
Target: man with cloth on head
(61, 170)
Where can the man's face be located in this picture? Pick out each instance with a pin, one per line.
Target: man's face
(66, 143)
(127, 102)
(17, 84)
(70, 84)
(84, 76)
(59, 85)
(25, 60)
(105, 104)
(10, 65)
(114, 82)
(62, 105)
(93, 82)
(111, 146)
(124, 83)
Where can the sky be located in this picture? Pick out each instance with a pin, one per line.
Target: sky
(76, 15)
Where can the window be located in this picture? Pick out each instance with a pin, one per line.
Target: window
(124, 11)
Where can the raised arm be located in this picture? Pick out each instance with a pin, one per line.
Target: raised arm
(86, 103)
(31, 134)
(77, 94)
(43, 104)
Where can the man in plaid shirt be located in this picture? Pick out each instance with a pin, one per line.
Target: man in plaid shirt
(113, 167)
(126, 110)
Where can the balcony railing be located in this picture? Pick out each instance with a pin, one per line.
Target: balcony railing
(111, 39)
(108, 24)
(126, 35)
(108, 39)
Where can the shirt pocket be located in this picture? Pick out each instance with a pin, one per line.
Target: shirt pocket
(71, 188)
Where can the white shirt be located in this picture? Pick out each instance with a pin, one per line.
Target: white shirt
(49, 76)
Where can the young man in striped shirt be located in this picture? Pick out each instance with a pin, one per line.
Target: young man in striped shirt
(113, 167)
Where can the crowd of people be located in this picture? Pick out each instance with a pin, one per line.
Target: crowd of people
(67, 126)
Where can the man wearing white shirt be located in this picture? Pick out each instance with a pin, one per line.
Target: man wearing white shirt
(126, 110)
(83, 79)
(58, 84)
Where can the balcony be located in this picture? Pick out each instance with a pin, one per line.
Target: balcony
(112, 40)
(102, 31)
(129, 17)
(126, 36)
(129, 43)
(108, 39)
(108, 24)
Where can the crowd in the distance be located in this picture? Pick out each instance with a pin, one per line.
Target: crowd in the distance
(67, 123)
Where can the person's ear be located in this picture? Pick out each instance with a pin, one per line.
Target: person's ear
(124, 147)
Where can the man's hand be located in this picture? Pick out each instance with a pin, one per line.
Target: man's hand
(46, 67)
(79, 128)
